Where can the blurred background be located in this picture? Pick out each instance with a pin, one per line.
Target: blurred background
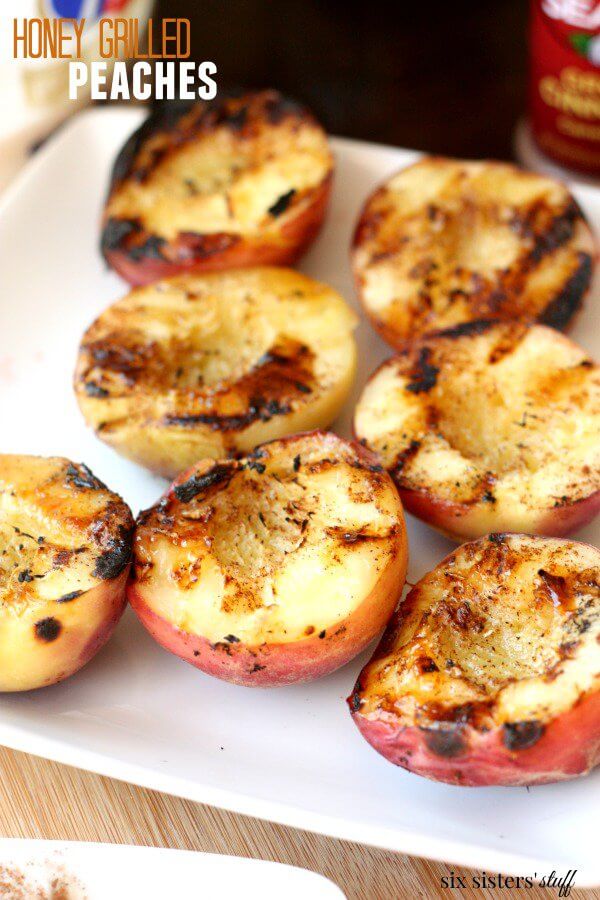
(444, 77)
(448, 77)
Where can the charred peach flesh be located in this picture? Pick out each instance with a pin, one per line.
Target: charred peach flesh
(212, 365)
(446, 241)
(489, 672)
(490, 426)
(237, 182)
(273, 569)
(65, 547)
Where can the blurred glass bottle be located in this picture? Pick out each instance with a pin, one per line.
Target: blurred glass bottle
(564, 87)
(34, 94)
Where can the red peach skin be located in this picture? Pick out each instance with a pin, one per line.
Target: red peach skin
(86, 623)
(571, 517)
(211, 253)
(112, 599)
(463, 522)
(271, 665)
(569, 746)
(488, 672)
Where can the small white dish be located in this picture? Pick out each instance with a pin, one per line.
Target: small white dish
(135, 712)
(87, 871)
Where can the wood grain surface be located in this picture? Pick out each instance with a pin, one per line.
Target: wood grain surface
(41, 799)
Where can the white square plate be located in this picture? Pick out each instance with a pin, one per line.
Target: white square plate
(137, 713)
(100, 871)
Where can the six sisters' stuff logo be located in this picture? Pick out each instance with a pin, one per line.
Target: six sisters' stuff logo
(561, 883)
(97, 41)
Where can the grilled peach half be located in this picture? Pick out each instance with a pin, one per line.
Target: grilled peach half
(212, 365)
(489, 672)
(65, 549)
(272, 569)
(490, 426)
(446, 241)
(239, 181)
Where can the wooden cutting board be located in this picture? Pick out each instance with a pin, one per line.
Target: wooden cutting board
(42, 799)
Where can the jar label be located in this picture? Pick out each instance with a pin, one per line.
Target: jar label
(565, 81)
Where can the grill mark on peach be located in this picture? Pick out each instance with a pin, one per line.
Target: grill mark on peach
(163, 120)
(161, 138)
(104, 525)
(268, 498)
(465, 329)
(116, 231)
(94, 390)
(67, 598)
(497, 557)
(374, 689)
(119, 354)
(562, 309)
(404, 457)
(423, 375)
(149, 246)
(270, 388)
(476, 714)
(199, 484)
(542, 228)
(447, 742)
(354, 700)
(48, 629)
(425, 665)
(507, 343)
(165, 133)
(280, 378)
(116, 558)
(282, 203)
(570, 384)
(122, 354)
(350, 538)
(62, 558)
(260, 409)
(548, 230)
(130, 236)
(81, 477)
(521, 735)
